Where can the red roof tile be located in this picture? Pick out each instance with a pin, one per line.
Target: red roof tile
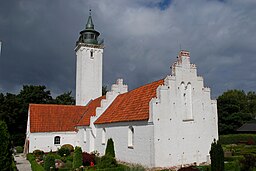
(54, 118)
(90, 111)
(130, 106)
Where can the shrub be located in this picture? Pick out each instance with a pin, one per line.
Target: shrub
(77, 158)
(49, 161)
(38, 153)
(110, 150)
(69, 146)
(69, 158)
(232, 166)
(63, 151)
(107, 162)
(248, 163)
(88, 158)
(19, 149)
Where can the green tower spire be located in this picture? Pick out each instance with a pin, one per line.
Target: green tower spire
(89, 24)
(89, 35)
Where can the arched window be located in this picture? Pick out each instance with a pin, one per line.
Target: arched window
(189, 101)
(130, 137)
(57, 140)
(84, 135)
(103, 140)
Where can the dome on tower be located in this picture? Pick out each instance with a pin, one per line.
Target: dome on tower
(89, 35)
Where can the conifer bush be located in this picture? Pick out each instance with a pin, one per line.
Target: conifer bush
(217, 157)
(110, 150)
(77, 158)
(49, 162)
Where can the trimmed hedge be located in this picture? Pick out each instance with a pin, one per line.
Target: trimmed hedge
(34, 165)
(49, 161)
(69, 146)
(249, 139)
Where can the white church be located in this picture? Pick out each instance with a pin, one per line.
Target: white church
(169, 122)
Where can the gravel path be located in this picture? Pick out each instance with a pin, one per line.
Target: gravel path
(21, 163)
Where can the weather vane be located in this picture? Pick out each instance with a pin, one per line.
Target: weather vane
(90, 12)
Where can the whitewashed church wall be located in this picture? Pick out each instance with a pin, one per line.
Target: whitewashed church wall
(83, 138)
(45, 141)
(142, 149)
(179, 139)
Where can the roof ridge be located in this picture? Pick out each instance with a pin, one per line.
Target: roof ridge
(143, 86)
(47, 104)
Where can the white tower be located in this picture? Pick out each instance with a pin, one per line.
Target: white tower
(89, 53)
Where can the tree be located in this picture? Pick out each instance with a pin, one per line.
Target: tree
(235, 107)
(5, 152)
(217, 156)
(77, 158)
(65, 99)
(110, 151)
(104, 90)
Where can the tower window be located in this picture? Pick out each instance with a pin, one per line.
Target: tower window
(91, 54)
(57, 140)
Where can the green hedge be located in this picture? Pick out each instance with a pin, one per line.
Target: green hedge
(34, 165)
(238, 138)
(233, 158)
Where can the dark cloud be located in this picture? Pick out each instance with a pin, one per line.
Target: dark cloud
(142, 39)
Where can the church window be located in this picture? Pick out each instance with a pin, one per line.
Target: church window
(130, 137)
(57, 140)
(84, 135)
(103, 141)
(91, 53)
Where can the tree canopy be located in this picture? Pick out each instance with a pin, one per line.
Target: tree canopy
(14, 108)
(5, 144)
(235, 107)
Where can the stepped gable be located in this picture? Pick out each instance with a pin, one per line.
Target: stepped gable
(130, 106)
(90, 111)
(54, 118)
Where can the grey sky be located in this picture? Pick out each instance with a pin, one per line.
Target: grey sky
(142, 40)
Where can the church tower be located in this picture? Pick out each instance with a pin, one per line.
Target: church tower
(89, 53)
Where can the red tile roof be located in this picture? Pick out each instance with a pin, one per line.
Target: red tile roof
(54, 118)
(130, 106)
(90, 111)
